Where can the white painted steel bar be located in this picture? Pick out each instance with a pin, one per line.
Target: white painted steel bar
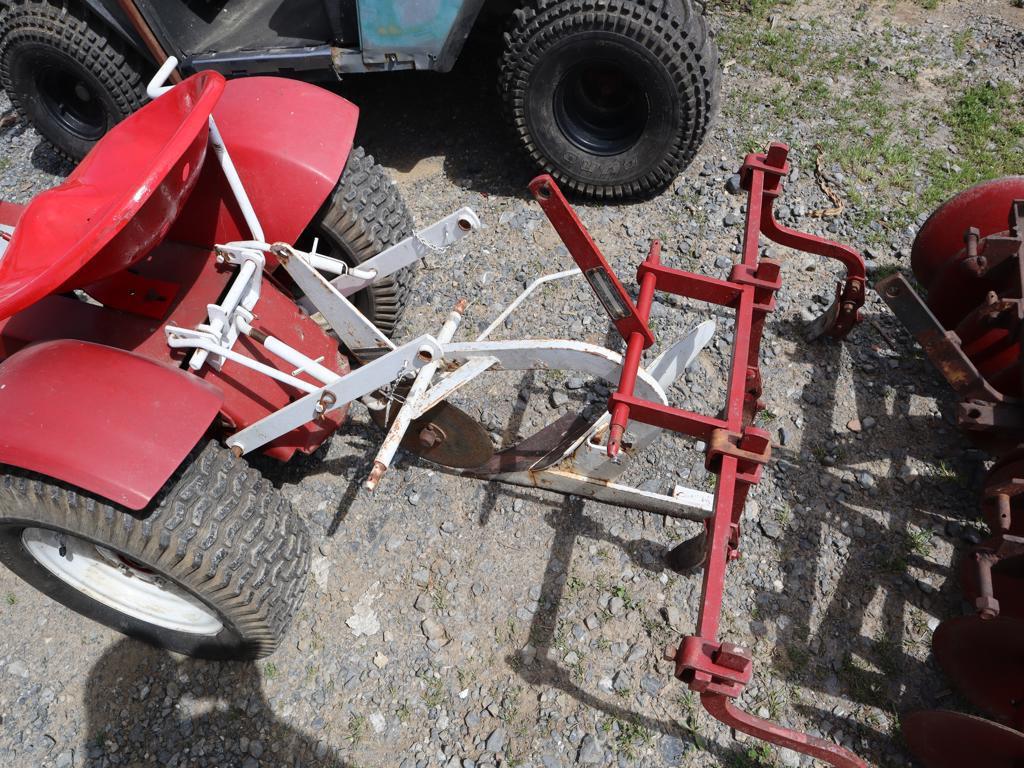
(693, 505)
(156, 86)
(438, 236)
(302, 363)
(237, 188)
(554, 354)
(385, 370)
(454, 381)
(522, 297)
(184, 338)
(352, 327)
(246, 272)
(410, 408)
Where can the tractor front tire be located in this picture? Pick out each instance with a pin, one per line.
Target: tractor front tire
(611, 97)
(214, 567)
(66, 73)
(364, 216)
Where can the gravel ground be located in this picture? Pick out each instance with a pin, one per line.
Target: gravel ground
(519, 628)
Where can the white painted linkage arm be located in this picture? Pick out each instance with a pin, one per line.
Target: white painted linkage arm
(409, 409)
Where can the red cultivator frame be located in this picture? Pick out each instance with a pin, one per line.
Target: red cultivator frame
(969, 256)
(736, 450)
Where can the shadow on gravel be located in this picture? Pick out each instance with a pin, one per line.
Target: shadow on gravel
(851, 641)
(152, 708)
(569, 522)
(406, 117)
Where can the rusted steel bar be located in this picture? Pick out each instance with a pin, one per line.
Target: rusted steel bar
(138, 21)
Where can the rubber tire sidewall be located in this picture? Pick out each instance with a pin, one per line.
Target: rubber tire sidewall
(663, 121)
(217, 529)
(14, 555)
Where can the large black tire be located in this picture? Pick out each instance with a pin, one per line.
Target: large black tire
(611, 97)
(217, 531)
(66, 73)
(364, 215)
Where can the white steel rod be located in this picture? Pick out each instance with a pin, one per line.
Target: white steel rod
(290, 355)
(156, 86)
(522, 296)
(229, 305)
(408, 411)
(234, 181)
(206, 345)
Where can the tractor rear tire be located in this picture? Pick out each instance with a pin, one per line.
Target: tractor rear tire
(363, 216)
(66, 73)
(214, 567)
(611, 97)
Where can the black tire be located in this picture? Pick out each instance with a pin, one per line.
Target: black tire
(66, 73)
(611, 97)
(217, 531)
(364, 215)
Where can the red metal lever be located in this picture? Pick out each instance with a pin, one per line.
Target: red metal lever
(588, 257)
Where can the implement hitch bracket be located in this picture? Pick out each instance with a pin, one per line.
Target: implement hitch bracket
(736, 450)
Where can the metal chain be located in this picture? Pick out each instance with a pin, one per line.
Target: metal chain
(391, 390)
(438, 249)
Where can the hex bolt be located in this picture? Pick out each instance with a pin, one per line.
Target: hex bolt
(431, 436)
(986, 603)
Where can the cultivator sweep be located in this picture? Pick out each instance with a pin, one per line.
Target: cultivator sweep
(969, 256)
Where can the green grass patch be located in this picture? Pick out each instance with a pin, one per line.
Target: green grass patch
(987, 124)
(629, 737)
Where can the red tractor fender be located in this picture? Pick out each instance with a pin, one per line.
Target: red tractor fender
(289, 142)
(108, 421)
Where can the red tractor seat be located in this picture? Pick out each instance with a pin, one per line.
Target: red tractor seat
(117, 204)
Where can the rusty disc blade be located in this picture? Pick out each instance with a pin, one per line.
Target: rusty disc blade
(985, 206)
(984, 660)
(942, 739)
(445, 435)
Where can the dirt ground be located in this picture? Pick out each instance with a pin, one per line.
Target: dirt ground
(554, 611)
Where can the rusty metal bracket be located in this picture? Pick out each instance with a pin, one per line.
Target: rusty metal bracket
(752, 449)
(941, 346)
(722, 668)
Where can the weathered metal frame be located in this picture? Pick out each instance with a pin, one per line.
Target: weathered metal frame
(736, 450)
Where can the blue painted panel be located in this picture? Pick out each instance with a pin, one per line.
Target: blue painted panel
(393, 26)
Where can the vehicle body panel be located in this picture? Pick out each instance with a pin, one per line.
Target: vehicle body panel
(112, 422)
(289, 141)
(302, 38)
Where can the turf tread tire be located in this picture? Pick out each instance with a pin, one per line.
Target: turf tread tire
(80, 34)
(217, 528)
(674, 30)
(365, 215)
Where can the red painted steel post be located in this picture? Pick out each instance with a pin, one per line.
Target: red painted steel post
(634, 351)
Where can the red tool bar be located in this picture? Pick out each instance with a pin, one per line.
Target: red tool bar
(736, 451)
(590, 260)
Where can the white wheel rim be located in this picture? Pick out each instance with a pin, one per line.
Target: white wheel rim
(107, 578)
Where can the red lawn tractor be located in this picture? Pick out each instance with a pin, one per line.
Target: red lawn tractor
(222, 274)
